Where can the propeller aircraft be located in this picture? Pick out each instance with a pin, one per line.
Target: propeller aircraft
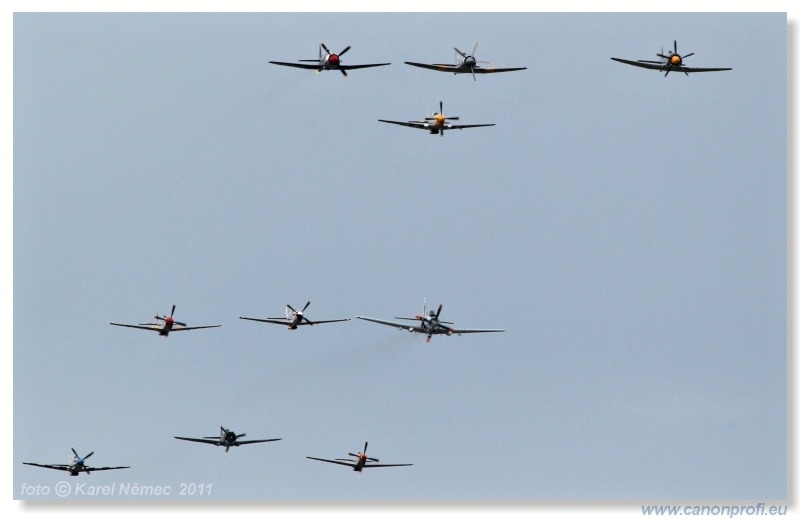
(430, 324)
(166, 324)
(465, 63)
(76, 465)
(293, 318)
(328, 61)
(437, 123)
(226, 438)
(360, 462)
(672, 61)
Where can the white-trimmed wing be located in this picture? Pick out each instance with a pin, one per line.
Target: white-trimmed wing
(466, 331)
(412, 124)
(384, 465)
(456, 127)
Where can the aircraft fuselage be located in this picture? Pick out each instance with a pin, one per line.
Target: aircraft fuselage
(359, 465)
(294, 321)
(167, 326)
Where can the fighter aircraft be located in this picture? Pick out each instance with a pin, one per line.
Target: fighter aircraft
(465, 63)
(76, 465)
(293, 318)
(328, 61)
(436, 124)
(672, 61)
(226, 438)
(165, 325)
(360, 462)
(430, 324)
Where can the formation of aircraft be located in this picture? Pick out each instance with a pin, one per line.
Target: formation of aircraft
(166, 324)
(226, 438)
(465, 63)
(437, 123)
(429, 324)
(672, 61)
(76, 465)
(293, 318)
(360, 462)
(328, 61)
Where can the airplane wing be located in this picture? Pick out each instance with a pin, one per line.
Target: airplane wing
(141, 327)
(385, 465)
(322, 322)
(402, 326)
(242, 442)
(350, 464)
(456, 127)
(455, 69)
(436, 67)
(489, 70)
(299, 65)
(412, 124)
(284, 322)
(348, 67)
(65, 467)
(215, 441)
(466, 331)
(703, 69)
(184, 328)
(660, 66)
(60, 467)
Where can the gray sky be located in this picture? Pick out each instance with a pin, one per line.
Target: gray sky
(627, 230)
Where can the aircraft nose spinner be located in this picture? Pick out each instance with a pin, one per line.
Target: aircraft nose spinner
(675, 59)
(334, 59)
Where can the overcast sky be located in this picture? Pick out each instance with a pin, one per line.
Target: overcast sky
(629, 231)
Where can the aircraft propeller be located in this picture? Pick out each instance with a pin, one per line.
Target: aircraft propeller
(437, 115)
(469, 60)
(300, 313)
(170, 317)
(333, 58)
(81, 460)
(364, 453)
(674, 60)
